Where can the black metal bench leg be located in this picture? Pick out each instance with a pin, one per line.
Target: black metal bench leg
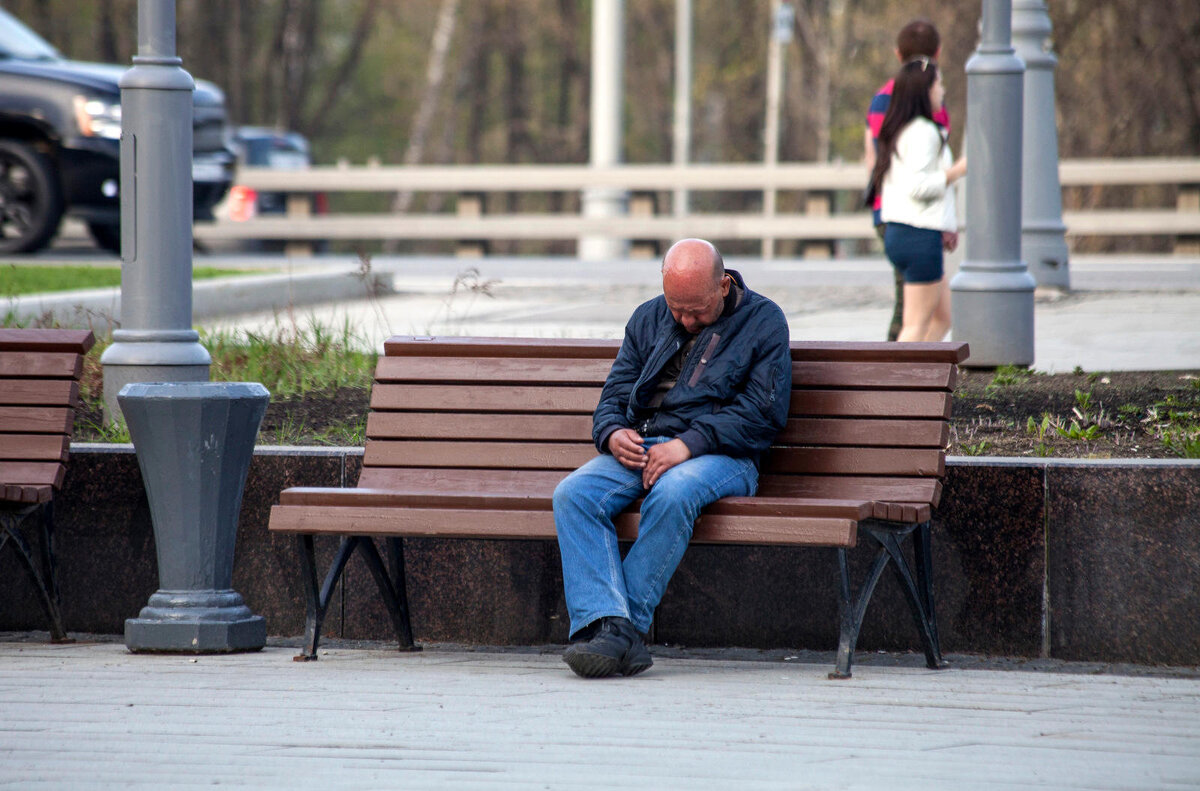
(317, 598)
(45, 577)
(916, 598)
(923, 557)
(58, 631)
(392, 588)
(852, 609)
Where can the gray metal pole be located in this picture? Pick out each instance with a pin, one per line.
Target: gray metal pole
(992, 294)
(683, 97)
(607, 120)
(1043, 242)
(156, 341)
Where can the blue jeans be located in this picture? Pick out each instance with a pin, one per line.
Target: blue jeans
(596, 581)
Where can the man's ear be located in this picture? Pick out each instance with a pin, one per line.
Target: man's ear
(898, 56)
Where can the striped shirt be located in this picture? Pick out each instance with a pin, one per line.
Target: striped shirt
(875, 114)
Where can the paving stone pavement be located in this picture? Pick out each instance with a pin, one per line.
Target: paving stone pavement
(92, 715)
(1117, 316)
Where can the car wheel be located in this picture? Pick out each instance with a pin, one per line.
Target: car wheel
(107, 236)
(31, 203)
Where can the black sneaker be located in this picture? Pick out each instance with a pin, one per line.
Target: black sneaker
(616, 649)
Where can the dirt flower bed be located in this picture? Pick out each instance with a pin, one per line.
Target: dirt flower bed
(1006, 412)
(1124, 414)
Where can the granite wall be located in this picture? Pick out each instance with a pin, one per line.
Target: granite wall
(1087, 560)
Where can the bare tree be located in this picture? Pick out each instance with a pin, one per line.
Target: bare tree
(435, 76)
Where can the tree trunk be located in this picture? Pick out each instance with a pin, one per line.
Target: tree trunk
(435, 76)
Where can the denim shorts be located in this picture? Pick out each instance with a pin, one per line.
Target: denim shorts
(915, 252)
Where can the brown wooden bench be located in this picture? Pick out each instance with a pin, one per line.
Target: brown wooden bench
(39, 390)
(467, 438)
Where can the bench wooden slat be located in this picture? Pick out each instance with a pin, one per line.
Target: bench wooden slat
(479, 398)
(879, 351)
(803, 431)
(902, 512)
(492, 369)
(858, 461)
(539, 525)
(422, 346)
(76, 341)
(446, 425)
(542, 483)
(54, 392)
(40, 365)
(418, 479)
(543, 501)
(853, 374)
(32, 473)
(26, 495)
(893, 433)
(36, 420)
(503, 455)
(851, 403)
(849, 487)
(33, 447)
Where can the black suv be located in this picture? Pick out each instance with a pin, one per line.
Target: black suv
(60, 130)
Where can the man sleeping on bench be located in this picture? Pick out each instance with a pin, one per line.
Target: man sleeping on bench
(698, 391)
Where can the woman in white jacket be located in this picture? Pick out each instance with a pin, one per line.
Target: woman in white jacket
(915, 174)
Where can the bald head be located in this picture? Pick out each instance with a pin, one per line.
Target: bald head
(693, 258)
(694, 283)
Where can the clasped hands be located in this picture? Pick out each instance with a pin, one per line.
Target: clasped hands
(626, 446)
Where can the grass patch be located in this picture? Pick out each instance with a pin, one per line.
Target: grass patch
(19, 280)
(292, 360)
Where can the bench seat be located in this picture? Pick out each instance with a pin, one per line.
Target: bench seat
(468, 438)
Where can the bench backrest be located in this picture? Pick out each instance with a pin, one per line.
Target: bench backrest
(869, 421)
(39, 390)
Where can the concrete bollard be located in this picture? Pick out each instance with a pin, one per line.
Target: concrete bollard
(194, 442)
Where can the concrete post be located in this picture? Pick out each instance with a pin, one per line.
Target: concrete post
(607, 121)
(1043, 242)
(156, 341)
(992, 294)
(194, 442)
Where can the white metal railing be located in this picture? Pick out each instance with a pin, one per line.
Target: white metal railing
(819, 224)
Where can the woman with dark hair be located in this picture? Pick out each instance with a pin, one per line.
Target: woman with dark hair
(914, 174)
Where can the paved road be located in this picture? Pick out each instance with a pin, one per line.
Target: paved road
(94, 716)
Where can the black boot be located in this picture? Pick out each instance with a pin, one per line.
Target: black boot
(616, 648)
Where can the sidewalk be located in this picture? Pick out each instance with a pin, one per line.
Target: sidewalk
(91, 715)
(1143, 316)
(1121, 314)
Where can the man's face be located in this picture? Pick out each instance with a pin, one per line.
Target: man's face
(696, 305)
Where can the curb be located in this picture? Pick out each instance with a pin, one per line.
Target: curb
(100, 309)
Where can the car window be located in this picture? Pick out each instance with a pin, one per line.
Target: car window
(18, 41)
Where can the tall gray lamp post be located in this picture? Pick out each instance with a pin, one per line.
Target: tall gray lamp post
(1043, 242)
(992, 294)
(156, 341)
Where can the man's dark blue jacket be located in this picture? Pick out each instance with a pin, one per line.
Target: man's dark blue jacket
(733, 391)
